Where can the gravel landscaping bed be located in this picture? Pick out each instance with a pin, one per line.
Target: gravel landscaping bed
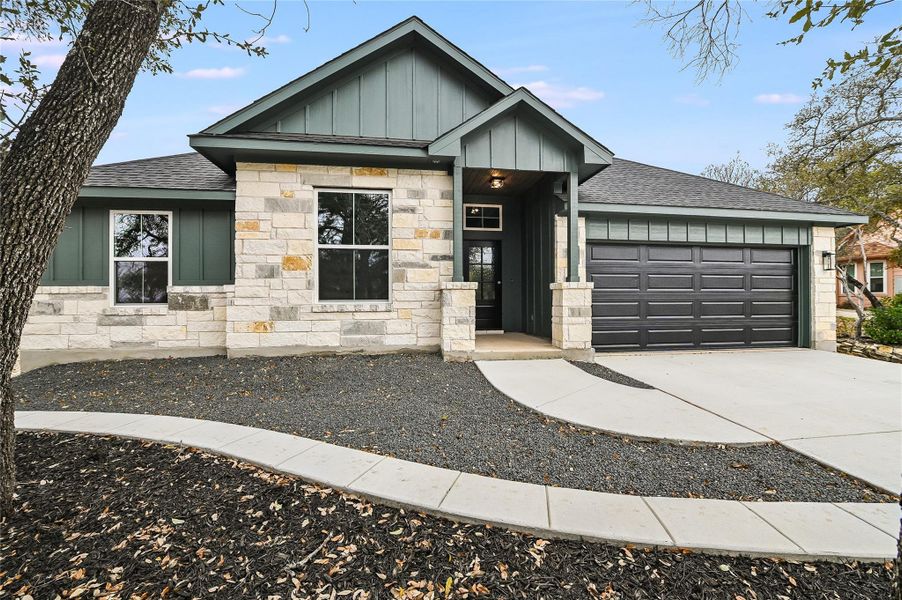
(417, 407)
(114, 518)
(611, 375)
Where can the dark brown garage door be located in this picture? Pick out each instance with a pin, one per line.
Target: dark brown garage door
(667, 297)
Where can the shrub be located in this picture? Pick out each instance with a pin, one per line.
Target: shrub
(885, 324)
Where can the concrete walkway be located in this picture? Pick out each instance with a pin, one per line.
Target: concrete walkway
(843, 411)
(787, 529)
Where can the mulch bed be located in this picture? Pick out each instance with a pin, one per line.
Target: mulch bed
(419, 408)
(113, 518)
(611, 375)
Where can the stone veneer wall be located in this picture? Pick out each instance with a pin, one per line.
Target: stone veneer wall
(823, 291)
(458, 319)
(69, 323)
(273, 310)
(560, 248)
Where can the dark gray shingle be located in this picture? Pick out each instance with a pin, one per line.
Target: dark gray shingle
(189, 171)
(631, 183)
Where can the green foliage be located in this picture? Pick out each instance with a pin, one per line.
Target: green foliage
(878, 55)
(885, 323)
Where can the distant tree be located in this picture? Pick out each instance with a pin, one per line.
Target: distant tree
(737, 171)
(844, 148)
(704, 34)
(52, 134)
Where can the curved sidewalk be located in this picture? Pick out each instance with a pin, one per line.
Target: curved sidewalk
(800, 530)
(560, 390)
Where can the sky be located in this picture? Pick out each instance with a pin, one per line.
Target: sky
(595, 62)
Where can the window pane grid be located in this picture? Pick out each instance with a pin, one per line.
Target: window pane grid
(353, 271)
(140, 261)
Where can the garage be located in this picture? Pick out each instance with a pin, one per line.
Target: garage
(682, 296)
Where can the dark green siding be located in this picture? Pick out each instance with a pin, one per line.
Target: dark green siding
(202, 234)
(81, 256)
(644, 229)
(538, 259)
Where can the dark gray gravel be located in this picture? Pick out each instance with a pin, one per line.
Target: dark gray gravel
(611, 375)
(419, 408)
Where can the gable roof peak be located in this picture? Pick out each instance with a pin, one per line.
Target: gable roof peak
(391, 37)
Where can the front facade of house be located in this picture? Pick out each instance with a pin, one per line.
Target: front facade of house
(883, 276)
(403, 197)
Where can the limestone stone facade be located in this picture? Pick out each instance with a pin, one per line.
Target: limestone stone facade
(77, 322)
(458, 319)
(274, 308)
(571, 319)
(823, 294)
(560, 248)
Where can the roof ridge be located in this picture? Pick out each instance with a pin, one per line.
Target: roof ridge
(137, 160)
(736, 185)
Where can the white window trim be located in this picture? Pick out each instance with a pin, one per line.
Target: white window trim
(843, 284)
(483, 205)
(882, 277)
(317, 246)
(114, 259)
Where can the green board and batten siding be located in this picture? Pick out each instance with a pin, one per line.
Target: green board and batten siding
(699, 232)
(408, 95)
(203, 248)
(514, 142)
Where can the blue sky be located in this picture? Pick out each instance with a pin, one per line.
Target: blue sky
(594, 61)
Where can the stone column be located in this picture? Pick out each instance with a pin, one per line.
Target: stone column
(571, 319)
(458, 319)
(823, 290)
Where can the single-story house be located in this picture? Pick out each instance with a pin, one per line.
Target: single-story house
(883, 275)
(403, 196)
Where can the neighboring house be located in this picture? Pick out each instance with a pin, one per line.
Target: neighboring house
(884, 276)
(402, 196)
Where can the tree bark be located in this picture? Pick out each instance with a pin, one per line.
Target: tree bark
(47, 163)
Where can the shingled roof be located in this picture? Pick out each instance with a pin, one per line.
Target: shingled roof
(631, 183)
(189, 171)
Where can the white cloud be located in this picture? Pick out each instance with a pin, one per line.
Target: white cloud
(692, 100)
(49, 60)
(215, 73)
(223, 109)
(269, 41)
(522, 69)
(562, 96)
(779, 99)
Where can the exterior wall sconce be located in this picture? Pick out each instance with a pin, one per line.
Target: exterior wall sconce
(496, 183)
(828, 261)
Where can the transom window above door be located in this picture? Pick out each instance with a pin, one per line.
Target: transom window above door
(352, 245)
(140, 265)
(482, 217)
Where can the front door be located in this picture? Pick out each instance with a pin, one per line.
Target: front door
(483, 265)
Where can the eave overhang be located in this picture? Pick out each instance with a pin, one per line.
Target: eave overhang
(224, 151)
(823, 219)
(145, 193)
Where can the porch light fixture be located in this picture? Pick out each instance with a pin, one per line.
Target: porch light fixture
(828, 260)
(496, 183)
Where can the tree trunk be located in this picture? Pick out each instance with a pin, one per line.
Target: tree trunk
(47, 163)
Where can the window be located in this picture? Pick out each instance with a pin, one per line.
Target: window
(352, 252)
(849, 271)
(140, 262)
(482, 217)
(876, 277)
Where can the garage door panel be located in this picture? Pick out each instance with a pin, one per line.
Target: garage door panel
(669, 310)
(731, 281)
(722, 255)
(670, 254)
(614, 253)
(685, 296)
(616, 310)
(676, 281)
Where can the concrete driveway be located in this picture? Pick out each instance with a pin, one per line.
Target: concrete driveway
(841, 410)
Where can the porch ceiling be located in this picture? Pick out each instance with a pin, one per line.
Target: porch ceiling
(477, 181)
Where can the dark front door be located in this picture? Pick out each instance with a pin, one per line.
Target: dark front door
(663, 296)
(483, 265)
